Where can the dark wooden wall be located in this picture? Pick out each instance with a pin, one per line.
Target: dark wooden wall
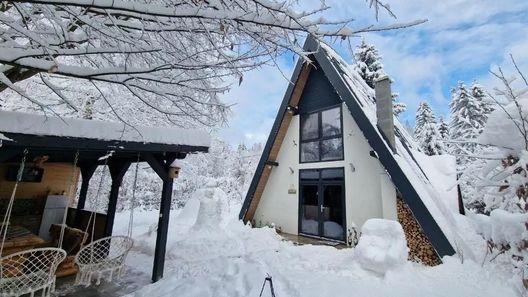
(318, 92)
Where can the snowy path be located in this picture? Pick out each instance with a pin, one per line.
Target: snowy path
(209, 256)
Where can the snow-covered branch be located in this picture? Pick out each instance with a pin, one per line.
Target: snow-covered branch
(175, 50)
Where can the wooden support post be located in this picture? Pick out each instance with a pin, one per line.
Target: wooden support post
(161, 167)
(87, 171)
(117, 170)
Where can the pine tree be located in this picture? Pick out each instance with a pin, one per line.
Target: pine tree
(443, 129)
(467, 122)
(368, 62)
(424, 115)
(478, 92)
(426, 131)
(368, 65)
(397, 107)
(431, 143)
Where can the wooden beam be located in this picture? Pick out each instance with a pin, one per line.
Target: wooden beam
(158, 165)
(117, 171)
(278, 140)
(8, 153)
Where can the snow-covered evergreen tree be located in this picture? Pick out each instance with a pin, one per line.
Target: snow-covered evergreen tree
(397, 107)
(480, 95)
(467, 121)
(443, 129)
(424, 115)
(426, 131)
(368, 62)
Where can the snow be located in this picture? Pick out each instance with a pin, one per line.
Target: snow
(382, 246)
(504, 133)
(504, 228)
(230, 259)
(25, 123)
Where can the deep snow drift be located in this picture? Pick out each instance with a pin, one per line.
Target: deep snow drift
(211, 253)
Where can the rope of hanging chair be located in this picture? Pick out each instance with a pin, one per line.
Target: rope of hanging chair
(7, 217)
(93, 214)
(133, 202)
(70, 193)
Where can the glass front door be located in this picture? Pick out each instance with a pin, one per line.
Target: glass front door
(322, 203)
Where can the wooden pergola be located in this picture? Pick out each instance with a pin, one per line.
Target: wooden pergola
(42, 136)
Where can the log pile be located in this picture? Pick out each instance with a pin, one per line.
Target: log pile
(420, 248)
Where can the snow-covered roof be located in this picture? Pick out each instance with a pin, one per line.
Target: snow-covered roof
(41, 125)
(418, 168)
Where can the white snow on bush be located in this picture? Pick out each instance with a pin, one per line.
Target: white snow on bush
(502, 132)
(25, 123)
(382, 246)
(504, 228)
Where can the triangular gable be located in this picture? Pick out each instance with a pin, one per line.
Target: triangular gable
(330, 67)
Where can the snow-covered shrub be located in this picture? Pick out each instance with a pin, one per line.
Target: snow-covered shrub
(500, 173)
(506, 233)
(382, 246)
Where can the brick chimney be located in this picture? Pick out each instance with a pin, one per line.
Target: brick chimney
(384, 109)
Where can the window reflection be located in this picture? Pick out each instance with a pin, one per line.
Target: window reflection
(321, 136)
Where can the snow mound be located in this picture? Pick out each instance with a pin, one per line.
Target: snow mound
(382, 246)
(205, 238)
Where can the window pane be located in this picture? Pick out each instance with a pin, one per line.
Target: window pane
(331, 120)
(310, 210)
(332, 215)
(309, 175)
(332, 174)
(310, 126)
(310, 151)
(332, 149)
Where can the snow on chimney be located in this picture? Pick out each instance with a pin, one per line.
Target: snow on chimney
(384, 109)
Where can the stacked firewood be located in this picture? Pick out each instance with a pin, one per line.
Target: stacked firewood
(420, 248)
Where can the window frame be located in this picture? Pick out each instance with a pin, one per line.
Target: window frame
(320, 138)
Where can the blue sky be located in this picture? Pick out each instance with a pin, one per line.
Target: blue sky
(462, 40)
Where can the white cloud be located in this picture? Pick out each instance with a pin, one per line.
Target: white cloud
(256, 101)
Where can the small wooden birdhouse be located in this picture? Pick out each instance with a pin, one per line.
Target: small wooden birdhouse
(174, 172)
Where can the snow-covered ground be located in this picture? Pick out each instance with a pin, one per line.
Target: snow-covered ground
(211, 253)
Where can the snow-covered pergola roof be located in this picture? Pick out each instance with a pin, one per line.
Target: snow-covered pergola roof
(90, 143)
(40, 125)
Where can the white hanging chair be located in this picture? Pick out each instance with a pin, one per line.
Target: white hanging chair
(28, 272)
(103, 258)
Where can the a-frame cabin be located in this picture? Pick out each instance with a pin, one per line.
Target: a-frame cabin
(337, 157)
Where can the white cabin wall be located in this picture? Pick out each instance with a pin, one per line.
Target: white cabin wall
(276, 205)
(369, 190)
